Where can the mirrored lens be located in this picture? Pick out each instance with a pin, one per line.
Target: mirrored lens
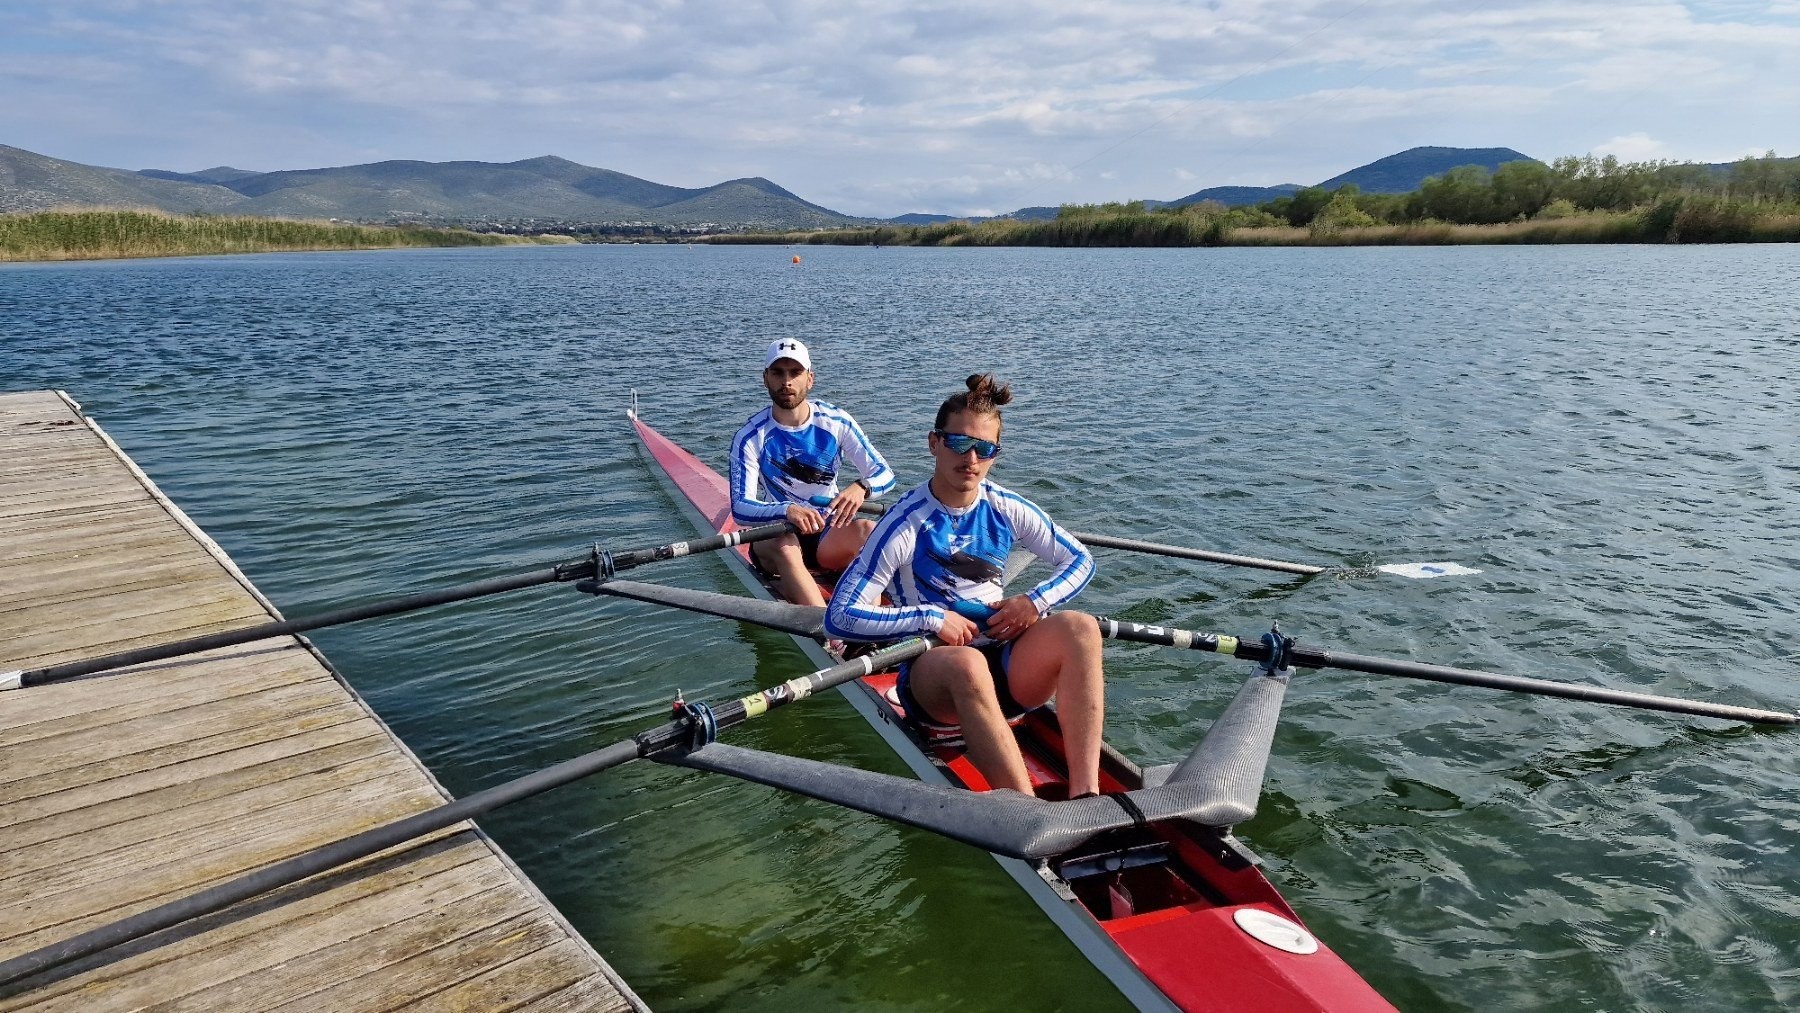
(960, 444)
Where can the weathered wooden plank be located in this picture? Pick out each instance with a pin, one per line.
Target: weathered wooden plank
(70, 899)
(186, 818)
(59, 488)
(150, 799)
(52, 435)
(71, 618)
(31, 555)
(318, 958)
(594, 994)
(95, 746)
(334, 906)
(74, 587)
(113, 639)
(222, 682)
(433, 953)
(511, 985)
(80, 516)
(122, 791)
(23, 506)
(19, 465)
(290, 723)
(55, 700)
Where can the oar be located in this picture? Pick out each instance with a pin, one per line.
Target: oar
(799, 616)
(598, 563)
(1418, 571)
(1315, 657)
(697, 726)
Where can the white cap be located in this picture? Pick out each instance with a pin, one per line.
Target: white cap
(788, 348)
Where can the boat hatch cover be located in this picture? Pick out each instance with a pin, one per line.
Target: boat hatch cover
(1271, 929)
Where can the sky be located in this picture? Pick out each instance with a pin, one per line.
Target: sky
(877, 108)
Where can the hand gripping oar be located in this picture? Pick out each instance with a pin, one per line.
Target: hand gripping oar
(694, 726)
(731, 607)
(1420, 571)
(599, 563)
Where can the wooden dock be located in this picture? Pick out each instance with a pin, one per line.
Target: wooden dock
(124, 790)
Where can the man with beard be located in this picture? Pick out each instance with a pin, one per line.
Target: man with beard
(939, 555)
(784, 464)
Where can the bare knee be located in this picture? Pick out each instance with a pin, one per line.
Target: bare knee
(1078, 629)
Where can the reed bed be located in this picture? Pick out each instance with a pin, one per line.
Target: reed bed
(1677, 220)
(105, 234)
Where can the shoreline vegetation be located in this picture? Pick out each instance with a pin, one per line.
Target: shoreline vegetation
(1571, 200)
(108, 234)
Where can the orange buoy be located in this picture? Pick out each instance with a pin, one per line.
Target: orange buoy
(796, 258)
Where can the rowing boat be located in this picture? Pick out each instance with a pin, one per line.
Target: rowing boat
(1175, 913)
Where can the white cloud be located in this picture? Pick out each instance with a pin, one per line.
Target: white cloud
(862, 102)
(1637, 147)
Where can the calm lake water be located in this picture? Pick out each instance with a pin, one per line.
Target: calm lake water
(1607, 432)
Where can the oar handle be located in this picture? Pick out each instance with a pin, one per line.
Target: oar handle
(1314, 657)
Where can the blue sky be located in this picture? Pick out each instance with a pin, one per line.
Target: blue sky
(879, 108)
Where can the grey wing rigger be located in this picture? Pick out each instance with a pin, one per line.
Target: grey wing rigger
(1217, 786)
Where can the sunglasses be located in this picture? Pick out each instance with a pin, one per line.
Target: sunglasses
(957, 443)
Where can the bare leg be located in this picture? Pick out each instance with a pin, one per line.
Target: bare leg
(782, 555)
(952, 684)
(839, 546)
(1060, 657)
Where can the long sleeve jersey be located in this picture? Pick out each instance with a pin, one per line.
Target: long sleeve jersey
(773, 465)
(925, 556)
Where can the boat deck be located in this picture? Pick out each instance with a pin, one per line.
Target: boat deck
(125, 790)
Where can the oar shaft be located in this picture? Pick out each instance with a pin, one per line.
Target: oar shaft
(1179, 552)
(1173, 551)
(575, 569)
(1313, 657)
(670, 735)
(1316, 658)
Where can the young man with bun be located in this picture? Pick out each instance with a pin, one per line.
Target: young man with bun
(946, 542)
(785, 465)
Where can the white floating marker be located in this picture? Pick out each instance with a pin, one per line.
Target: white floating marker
(1424, 571)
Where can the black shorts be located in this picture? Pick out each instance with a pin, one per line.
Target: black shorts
(809, 554)
(997, 655)
(809, 550)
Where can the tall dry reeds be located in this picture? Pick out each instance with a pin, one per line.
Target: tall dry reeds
(101, 234)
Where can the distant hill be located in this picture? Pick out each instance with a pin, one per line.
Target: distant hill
(922, 219)
(34, 182)
(545, 189)
(1237, 196)
(1397, 173)
(1402, 173)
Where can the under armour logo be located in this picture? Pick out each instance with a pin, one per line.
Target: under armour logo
(788, 346)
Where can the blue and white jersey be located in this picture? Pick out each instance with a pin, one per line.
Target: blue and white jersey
(773, 465)
(925, 556)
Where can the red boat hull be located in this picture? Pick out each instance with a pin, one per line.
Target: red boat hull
(1180, 924)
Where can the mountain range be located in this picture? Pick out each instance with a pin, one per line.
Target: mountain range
(548, 190)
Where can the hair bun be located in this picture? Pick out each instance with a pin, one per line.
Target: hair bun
(984, 388)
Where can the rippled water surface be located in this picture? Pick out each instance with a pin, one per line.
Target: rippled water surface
(1607, 432)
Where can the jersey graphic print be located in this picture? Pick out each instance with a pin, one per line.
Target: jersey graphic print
(801, 464)
(954, 554)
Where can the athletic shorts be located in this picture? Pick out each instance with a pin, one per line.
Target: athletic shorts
(997, 655)
(809, 553)
(809, 550)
